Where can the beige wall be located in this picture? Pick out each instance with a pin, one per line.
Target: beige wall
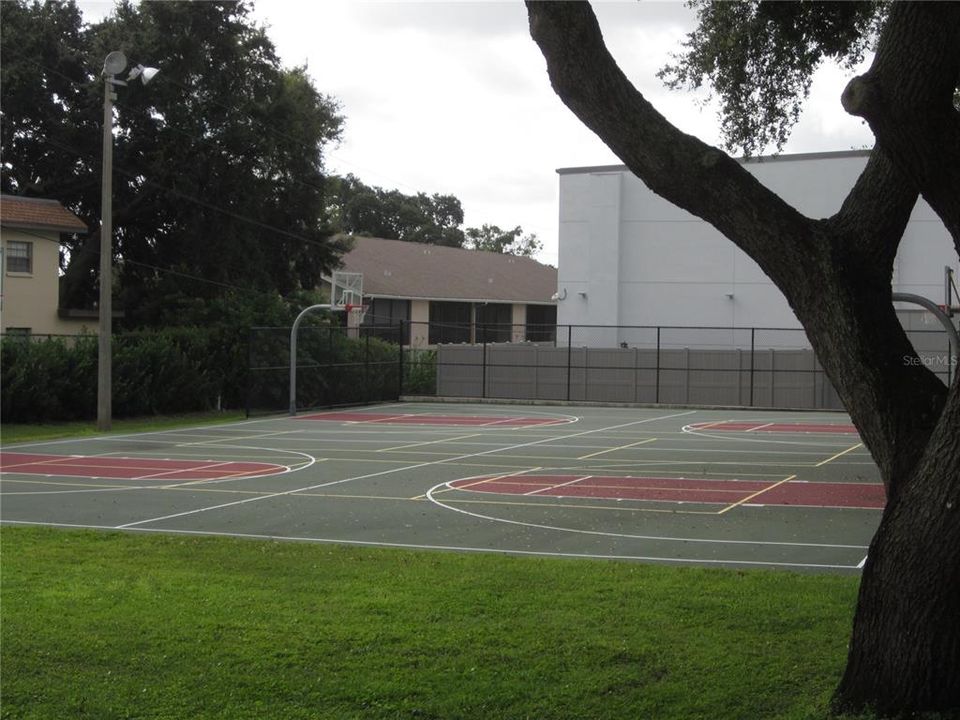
(519, 332)
(419, 323)
(31, 300)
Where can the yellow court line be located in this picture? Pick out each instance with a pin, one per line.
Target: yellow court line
(480, 482)
(65, 484)
(839, 454)
(758, 492)
(615, 508)
(619, 508)
(429, 442)
(622, 447)
(227, 439)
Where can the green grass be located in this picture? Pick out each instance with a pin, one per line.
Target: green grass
(111, 625)
(16, 432)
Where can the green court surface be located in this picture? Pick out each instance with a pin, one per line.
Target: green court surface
(706, 487)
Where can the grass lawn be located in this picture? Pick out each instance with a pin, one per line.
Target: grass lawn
(111, 625)
(17, 432)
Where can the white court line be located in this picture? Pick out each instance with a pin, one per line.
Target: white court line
(396, 470)
(691, 431)
(759, 427)
(374, 421)
(563, 484)
(427, 442)
(862, 562)
(485, 550)
(287, 469)
(711, 541)
(210, 466)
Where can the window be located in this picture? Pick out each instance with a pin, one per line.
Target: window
(19, 257)
(541, 323)
(383, 319)
(449, 322)
(494, 322)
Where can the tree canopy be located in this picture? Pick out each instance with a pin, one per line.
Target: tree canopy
(511, 242)
(835, 272)
(759, 58)
(218, 164)
(359, 209)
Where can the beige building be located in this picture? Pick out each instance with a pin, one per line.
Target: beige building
(30, 230)
(453, 295)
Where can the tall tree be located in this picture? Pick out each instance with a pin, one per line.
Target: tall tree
(218, 169)
(360, 209)
(836, 274)
(509, 242)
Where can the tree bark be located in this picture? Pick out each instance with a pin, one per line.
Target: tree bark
(905, 648)
(836, 275)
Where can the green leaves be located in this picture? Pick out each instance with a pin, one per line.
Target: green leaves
(759, 57)
(509, 242)
(360, 209)
(218, 169)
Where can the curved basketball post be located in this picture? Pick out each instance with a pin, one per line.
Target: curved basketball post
(293, 352)
(944, 319)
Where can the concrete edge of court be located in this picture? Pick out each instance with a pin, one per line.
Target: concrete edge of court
(597, 403)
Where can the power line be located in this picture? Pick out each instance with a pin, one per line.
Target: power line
(251, 116)
(155, 268)
(190, 198)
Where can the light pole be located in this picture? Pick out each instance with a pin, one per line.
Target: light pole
(115, 62)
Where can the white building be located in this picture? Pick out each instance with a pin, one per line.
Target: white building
(630, 258)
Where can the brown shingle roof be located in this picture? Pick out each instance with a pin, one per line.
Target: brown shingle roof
(392, 268)
(37, 214)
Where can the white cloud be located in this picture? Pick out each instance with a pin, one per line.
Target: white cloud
(453, 97)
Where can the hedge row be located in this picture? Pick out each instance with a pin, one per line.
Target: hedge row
(189, 369)
(333, 369)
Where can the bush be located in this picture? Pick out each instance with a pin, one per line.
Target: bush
(165, 371)
(50, 379)
(189, 369)
(420, 372)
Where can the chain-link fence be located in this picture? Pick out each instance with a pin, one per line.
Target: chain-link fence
(335, 366)
(747, 367)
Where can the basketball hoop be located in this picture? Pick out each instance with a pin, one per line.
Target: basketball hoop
(355, 314)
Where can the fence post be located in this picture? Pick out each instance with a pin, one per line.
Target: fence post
(657, 392)
(753, 338)
(483, 362)
(249, 371)
(366, 367)
(773, 377)
(569, 358)
(400, 361)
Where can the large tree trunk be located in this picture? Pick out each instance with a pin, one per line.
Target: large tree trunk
(836, 274)
(905, 649)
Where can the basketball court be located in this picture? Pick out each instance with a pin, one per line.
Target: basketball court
(698, 487)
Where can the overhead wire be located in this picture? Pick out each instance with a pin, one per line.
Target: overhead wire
(156, 268)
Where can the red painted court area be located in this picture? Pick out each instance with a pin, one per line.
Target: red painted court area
(683, 490)
(415, 419)
(774, 427)
(131, 468)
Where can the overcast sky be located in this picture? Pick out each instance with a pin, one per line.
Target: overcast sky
(453, 97)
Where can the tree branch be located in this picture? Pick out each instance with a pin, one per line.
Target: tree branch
(907, 98)
(835, 273)
(689, 173)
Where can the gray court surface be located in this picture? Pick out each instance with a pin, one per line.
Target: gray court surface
(741, 489)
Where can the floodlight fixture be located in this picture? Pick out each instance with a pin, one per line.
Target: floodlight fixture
(146, 74)
(115, 63)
